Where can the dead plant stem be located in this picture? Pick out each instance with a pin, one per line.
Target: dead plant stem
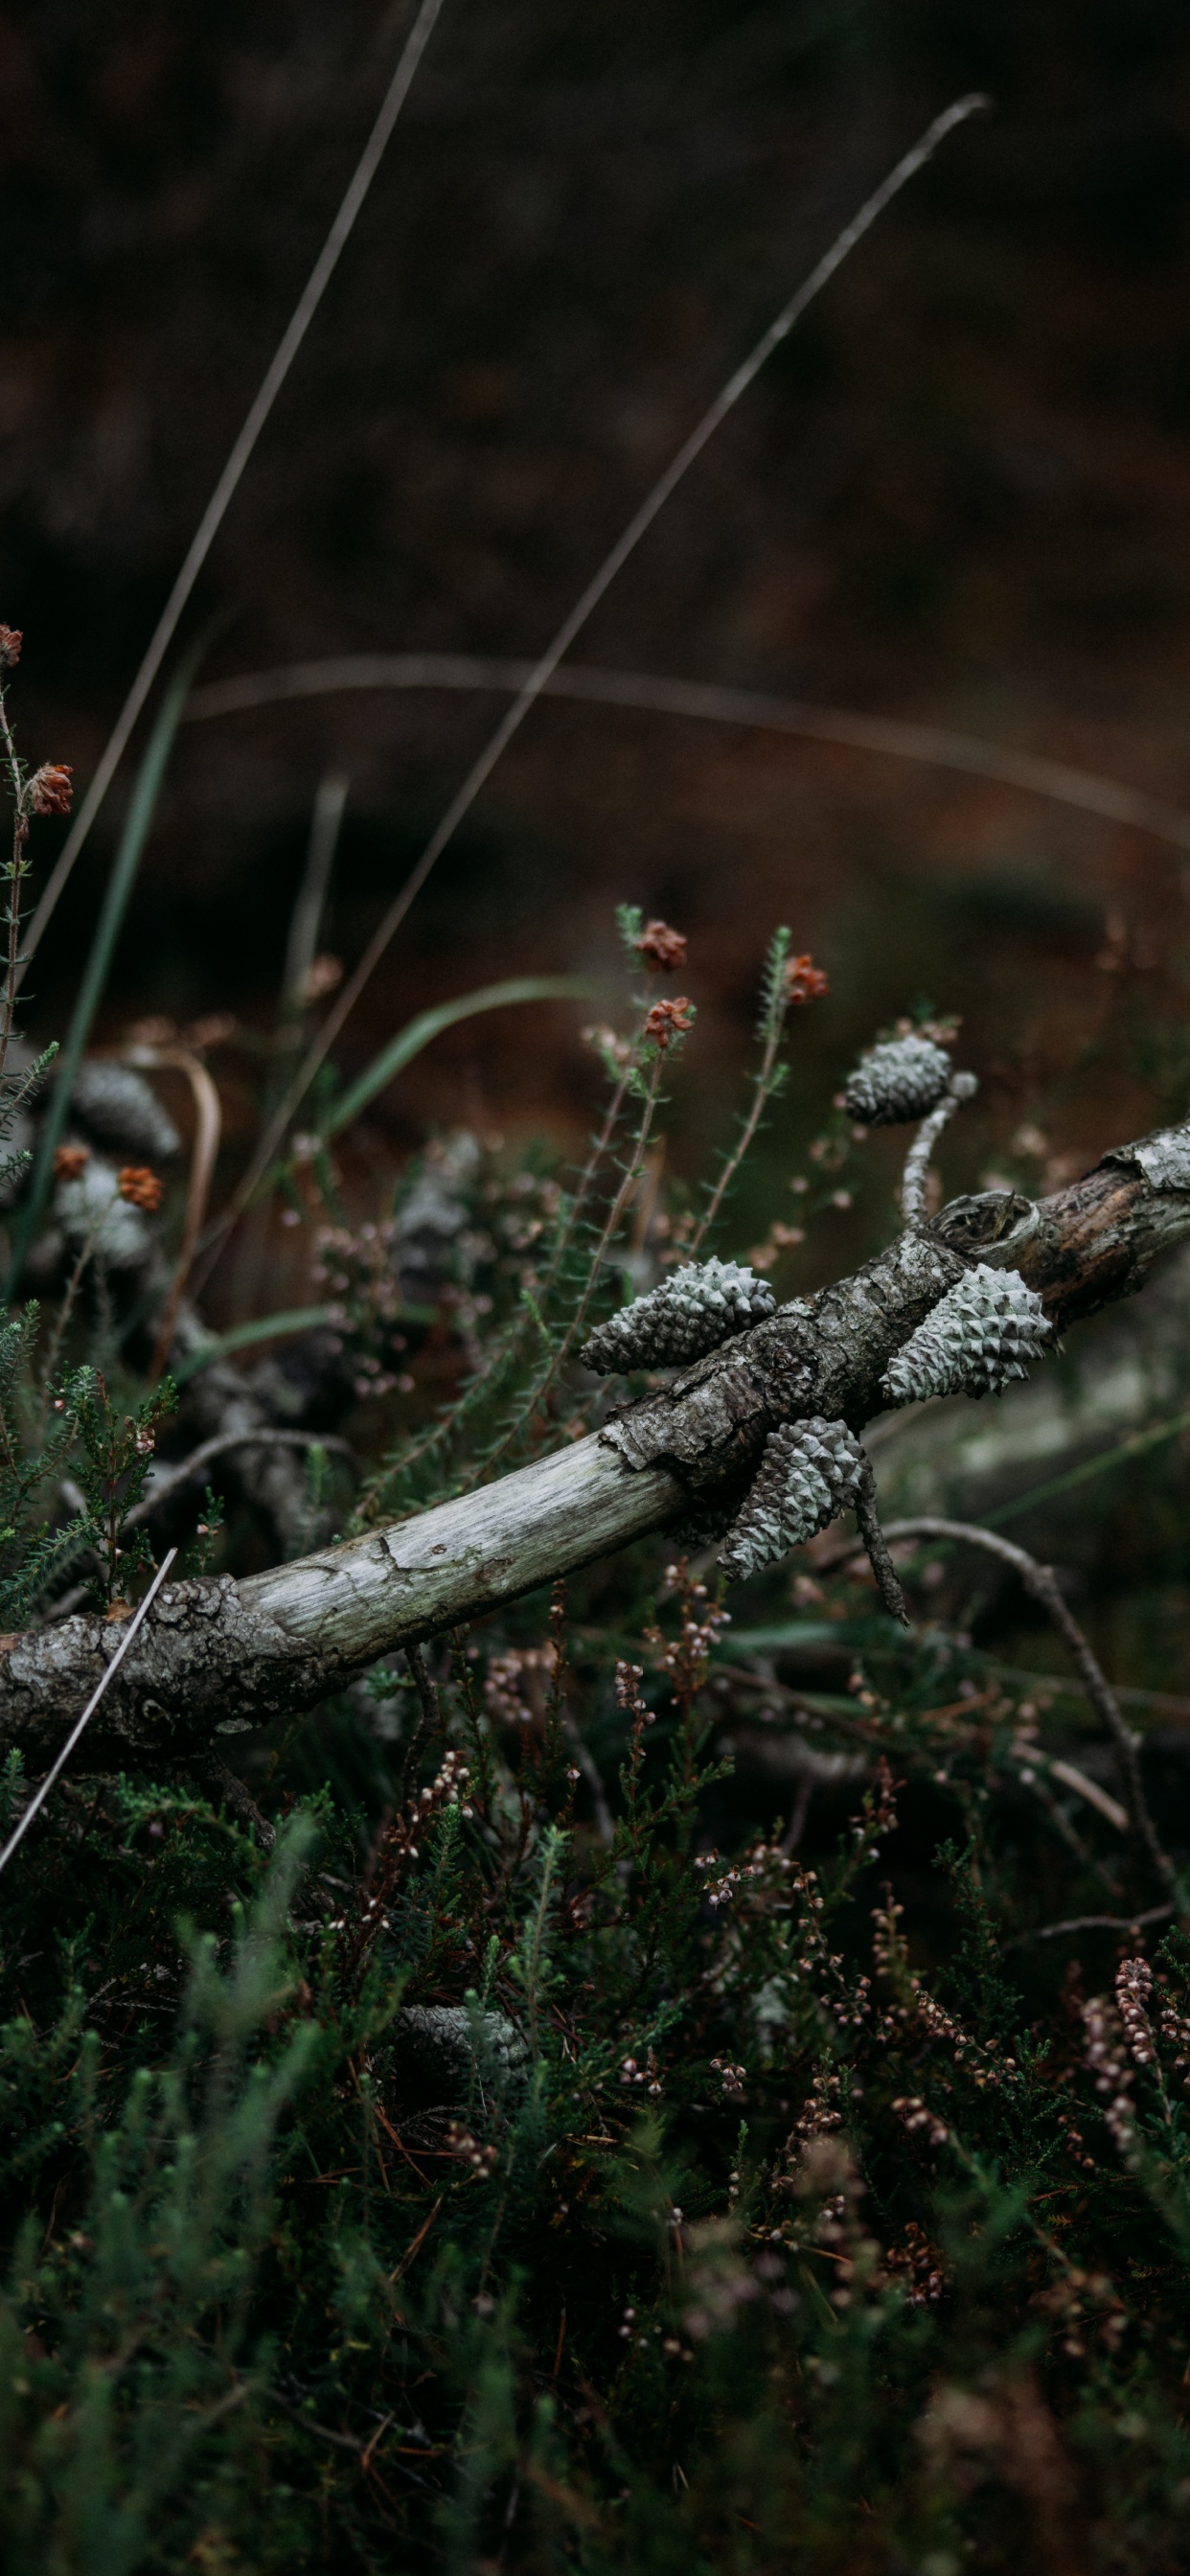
(1040, 1581)
(601, 581)
(240, 456)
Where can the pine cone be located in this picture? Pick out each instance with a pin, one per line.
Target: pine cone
(987, 1329)
(905, 1079)
(809, 1472)
(695, 1309)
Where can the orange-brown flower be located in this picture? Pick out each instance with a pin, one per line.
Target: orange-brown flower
(140, 1187)
(660, 947)
(50, 789)
(804, 981)
(11, 640)
(70, 1161)
(669, 1020)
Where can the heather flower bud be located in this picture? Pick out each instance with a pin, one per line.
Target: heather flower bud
(660, 948)
(50, 789)
(669, 1020)
(140, 1187)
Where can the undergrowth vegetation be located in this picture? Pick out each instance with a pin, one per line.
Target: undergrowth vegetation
(600, 2092)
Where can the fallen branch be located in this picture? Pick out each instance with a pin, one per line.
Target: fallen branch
(221, 1653)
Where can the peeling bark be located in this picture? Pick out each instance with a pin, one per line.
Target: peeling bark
(218, 1655)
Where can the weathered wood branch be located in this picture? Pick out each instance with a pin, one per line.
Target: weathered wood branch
(219, 1654)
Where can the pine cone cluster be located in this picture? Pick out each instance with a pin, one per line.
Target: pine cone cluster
(695, 1309)
(904, 1079)
(988, 1328)
(809, 1472)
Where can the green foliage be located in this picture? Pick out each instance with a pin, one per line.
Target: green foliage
(115, 1453)
(34, 1445)
(501, 2140)
(722, 2235)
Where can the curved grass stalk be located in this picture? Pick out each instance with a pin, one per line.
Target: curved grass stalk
(1083, 791)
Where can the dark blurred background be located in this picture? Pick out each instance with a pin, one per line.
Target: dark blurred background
(959, 496)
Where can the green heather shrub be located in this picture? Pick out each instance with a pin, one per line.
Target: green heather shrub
(480, 2133)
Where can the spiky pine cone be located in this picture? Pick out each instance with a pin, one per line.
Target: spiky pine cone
(695, 1309)
(904, 1079)
(987, 1329)
(809, 1472)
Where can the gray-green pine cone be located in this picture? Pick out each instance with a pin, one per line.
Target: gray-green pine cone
(809, 1473)
(695, 1309)
(987, 1329)
(905, 1079)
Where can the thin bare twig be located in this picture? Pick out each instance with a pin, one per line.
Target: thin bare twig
(223, 494)
(875, 1542)
(430, 1719)
(613, 563)
(1090, 1923)
(1039, 1580)
(41, 1793)
(262, 1438)
(963, 1087)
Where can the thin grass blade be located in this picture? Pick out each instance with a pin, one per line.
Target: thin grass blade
(129, 853)
(418, 1033)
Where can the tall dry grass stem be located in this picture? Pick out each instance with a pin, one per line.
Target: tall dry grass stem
(584, 607)
(127, 1633)
(224, 492)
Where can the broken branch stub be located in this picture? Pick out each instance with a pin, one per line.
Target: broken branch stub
(221, 1654)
